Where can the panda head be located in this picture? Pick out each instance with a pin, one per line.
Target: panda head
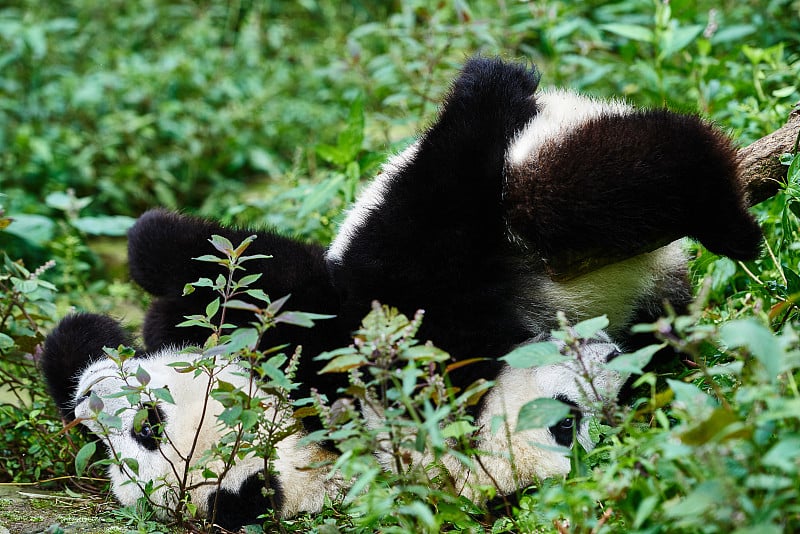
(509, 458)
(517, 456)
(159, 422)
(158, 425)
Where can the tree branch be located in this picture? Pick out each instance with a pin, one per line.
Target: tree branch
(759, 167)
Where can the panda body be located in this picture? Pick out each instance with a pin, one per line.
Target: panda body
(469, 223)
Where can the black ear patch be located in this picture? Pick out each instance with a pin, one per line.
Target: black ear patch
(77, 341)
(237, 509)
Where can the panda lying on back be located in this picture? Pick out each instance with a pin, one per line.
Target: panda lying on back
(467, 224)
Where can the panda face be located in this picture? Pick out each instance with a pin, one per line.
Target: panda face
(511, 459)
(165, 439)
(518, 458)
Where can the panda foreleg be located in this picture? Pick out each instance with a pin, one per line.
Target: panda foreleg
(161, 249)
(591, 182)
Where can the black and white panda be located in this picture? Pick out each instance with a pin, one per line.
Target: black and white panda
(166, 446)
(473, 223)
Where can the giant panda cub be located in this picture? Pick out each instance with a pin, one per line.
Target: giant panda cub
(161, 443)
(512, 207)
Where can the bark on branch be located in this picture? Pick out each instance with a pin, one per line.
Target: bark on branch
(760, 169)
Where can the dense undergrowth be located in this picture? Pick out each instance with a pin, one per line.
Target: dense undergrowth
(274, 113)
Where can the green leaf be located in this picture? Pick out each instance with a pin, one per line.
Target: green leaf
(645, 509)
(164, 395)
(249, 279)
(708, 429)
(95, 403)
(698, 502)
(305, 319)
(734, 33)
(212, 308)
(222, 244)
(6, 342)
(784, 454)
(678, 39)
(132, 464)
(36, 229)
(211, 258)
(759, 340)
(230, 416)
(332, 154)
(541, 413)
(534, 355)
(688, 394)
(590, 327)
(629, 31)
(66, 202)
(83, 457)
(344, 363)
(236, 304)
(142, 376)
(111, 225)
(793, 173)
(262, 160)
(249, 419)
(351, 139)
(458, 429)
(276, 305)
(634, 362)
(139, 419)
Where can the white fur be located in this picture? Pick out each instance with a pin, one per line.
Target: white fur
(304, 490)
(369, 200)
(612, 290)
(509, 459)
(560, 111)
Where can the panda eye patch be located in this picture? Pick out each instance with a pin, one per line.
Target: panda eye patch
(148, 425)
(564, 431)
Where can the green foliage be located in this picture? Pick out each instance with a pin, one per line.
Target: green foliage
(27, 417)
(414, 411)
(274, 113)
(716, 452)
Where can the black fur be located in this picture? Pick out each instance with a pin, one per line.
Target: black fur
(77, 341)
(161, 246)
(619, 185)
(237, 509)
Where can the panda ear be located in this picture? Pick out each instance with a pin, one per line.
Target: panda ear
(74, 343)
(624, 183)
